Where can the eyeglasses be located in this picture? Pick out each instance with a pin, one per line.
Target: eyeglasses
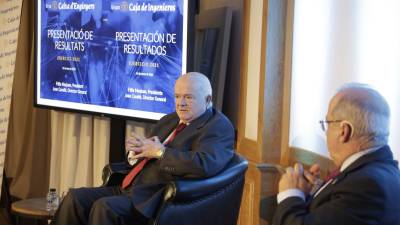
(327, 122)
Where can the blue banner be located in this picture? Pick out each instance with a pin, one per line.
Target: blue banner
(114, 57)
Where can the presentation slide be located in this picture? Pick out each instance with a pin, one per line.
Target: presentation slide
(110, 56)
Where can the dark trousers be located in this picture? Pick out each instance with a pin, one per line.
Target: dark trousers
(97, 206)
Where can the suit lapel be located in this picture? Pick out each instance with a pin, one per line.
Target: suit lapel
(168, 127)
(382, 154)
(193, 126)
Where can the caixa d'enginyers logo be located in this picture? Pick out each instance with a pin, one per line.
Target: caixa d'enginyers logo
(78, 6)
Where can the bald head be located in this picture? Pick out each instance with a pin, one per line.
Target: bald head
(193, 96)
(365, 108)
(198, 81)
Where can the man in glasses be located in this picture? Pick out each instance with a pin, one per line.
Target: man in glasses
(366, 189)
(196, 141)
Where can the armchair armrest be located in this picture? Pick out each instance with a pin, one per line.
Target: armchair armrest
(193, 188)
(114, 173)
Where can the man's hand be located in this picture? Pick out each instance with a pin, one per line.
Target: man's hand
(313, 174)
(297, 178)
(148, 148)
(133, 142)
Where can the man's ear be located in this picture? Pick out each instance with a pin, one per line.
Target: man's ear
(208, 99)
(346, 131)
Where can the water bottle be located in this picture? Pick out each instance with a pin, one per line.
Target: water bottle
(54, 200)
(49, 199)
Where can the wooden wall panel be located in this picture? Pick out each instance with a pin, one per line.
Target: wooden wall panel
(249, 199)
(247, 206)
(250, 147)
(264, 147)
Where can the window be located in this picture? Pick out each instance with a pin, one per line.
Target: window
(340, 41)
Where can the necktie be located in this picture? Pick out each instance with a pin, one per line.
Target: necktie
(178, 129)
(132, 174)
(333, 174)
(328, 180)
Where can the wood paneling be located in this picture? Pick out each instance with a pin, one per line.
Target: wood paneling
(249, 199)
(248, 147)
(251, 149)
(287, 76)
(261, 181)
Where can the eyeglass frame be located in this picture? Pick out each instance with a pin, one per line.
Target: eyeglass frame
(323, 122)
(324, 129)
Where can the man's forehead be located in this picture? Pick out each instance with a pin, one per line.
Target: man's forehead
(186, 85)
(186, 79)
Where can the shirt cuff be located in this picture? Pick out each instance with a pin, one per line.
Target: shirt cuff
(290, 193)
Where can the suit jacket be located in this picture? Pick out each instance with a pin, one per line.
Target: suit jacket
(365, 193)
(200, 150)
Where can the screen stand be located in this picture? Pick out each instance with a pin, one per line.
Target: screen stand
(117, 140)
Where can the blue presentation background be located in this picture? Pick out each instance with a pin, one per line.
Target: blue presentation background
(103, 68)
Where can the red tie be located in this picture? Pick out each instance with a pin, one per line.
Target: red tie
(131, 175)
(178, 129)
(333, 174)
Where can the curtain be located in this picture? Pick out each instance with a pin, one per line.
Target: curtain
(79, 150)
(28, 140)
(48, 148)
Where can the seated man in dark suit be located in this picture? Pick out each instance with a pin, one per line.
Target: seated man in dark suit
(200, 146)
(366, 190)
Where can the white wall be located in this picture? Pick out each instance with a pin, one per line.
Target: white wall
(340, 41)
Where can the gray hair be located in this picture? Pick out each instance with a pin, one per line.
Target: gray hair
(203, 83)
(366, 109)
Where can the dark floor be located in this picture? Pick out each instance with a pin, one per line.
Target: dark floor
(3, 218)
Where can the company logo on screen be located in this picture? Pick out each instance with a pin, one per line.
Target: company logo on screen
(144, 7)
(56, 5)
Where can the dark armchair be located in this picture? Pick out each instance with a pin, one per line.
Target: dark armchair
(211, 201)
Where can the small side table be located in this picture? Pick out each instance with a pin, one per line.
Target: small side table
(33, 208)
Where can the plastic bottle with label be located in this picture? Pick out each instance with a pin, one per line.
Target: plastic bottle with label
(50, 199)
(55, 200)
